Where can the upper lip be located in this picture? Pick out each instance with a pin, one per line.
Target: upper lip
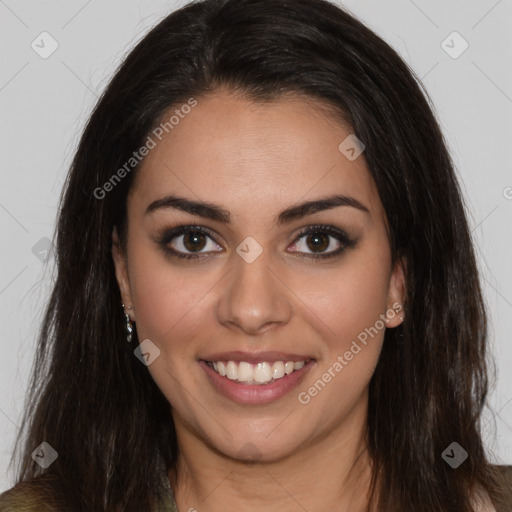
(254, 357)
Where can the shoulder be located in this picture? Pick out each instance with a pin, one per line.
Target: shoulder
(506, 471)
(39, 494)
(482, 500)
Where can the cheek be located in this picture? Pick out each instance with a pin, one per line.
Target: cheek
(170, 313)
(351, 298)
(167, 299)
(348, 304)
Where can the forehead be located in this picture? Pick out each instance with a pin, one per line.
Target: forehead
(238, 153)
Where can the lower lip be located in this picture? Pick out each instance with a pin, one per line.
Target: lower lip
(255, 393)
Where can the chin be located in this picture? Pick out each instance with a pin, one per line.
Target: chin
(261, 450)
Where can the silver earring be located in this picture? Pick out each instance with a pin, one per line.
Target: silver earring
(129, 325)
(401, 317)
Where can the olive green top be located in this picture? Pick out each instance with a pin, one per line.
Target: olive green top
(27, 497)
(170, 506)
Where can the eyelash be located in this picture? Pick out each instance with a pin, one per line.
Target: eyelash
(342, 237)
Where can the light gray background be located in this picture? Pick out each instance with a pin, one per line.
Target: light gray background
(44, 104)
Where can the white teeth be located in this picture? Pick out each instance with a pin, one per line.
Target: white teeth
(245, 372)
(263, 372)
(260, 373)
(278, 369)
(232, 370)
(221, 368)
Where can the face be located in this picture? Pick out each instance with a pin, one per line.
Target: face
(236, 276)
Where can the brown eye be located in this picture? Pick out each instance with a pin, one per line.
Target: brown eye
(322, 242)
(188, 242)
(317, 242)
(194, 241)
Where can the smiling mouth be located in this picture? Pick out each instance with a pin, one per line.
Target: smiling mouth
(260, 373)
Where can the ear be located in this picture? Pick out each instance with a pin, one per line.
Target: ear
(396, 294)
(121, 267)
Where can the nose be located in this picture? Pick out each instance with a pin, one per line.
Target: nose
(254, 298)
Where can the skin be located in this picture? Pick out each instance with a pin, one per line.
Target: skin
(255, 160)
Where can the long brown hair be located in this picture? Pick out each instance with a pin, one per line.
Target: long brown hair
(99, 408)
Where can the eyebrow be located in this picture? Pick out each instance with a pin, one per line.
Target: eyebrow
(217, 213)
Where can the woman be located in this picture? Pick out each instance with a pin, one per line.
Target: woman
(267, 295)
